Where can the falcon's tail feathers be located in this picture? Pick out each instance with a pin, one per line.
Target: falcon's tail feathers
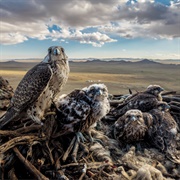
(8, 117)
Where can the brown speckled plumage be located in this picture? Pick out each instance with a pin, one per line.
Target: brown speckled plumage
(143, 101)
(39, 87)
(164, 129)
(80, 109)
(132, 126)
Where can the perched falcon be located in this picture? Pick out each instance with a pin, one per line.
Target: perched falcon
(39, 87)
(164, 129)
(143, 101)
(80, 109)
(132, 126)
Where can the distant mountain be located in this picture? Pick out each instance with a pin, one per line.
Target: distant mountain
(147, 61)
(99, 60)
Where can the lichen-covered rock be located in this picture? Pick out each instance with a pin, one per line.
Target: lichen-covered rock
(6, 93)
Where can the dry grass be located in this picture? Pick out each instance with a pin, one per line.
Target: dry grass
(118, 77)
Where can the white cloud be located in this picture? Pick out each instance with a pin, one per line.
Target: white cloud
(145, 19)
(12, 38)
(96, 39)
(21, 20)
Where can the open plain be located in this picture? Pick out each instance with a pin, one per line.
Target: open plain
(119, 76)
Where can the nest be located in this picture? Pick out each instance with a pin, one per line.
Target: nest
(31, 151)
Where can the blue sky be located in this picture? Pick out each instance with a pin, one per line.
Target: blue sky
(90, 28)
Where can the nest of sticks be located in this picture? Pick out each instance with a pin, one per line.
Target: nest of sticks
(31, 151)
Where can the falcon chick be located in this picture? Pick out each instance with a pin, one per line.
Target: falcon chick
(132, 126)
(80, 109)
(143, 101)
(39, 87)
(164, 128)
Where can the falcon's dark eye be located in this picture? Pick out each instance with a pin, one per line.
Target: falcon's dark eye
(138, 116)
(62, 50)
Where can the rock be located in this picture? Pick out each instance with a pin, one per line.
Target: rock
(6, 93)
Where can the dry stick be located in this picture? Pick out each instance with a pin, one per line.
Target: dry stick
(175, 108)
(49, 152)
(28, 129)
(66, 154)
(89, 165)
(58, 166)
(175, 103)
(115, 102)
(168, 93)
(75, 150)
(169, 99)
(19, 131)
(31, 167)
(17, 141)
(9, 133)
(84, 170)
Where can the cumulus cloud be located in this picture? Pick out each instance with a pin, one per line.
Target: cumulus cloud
(146, 19)
(21, 20)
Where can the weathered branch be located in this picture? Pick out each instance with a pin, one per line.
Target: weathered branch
(175, 108)
(115, 103)
(29, 166)
(169, 99)
(175, 103)
(169, 93)
(19, 140)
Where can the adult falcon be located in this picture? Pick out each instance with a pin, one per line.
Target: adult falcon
(143, 101)
(39, 87)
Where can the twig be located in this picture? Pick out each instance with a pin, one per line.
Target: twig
(130, 91)
(28, 129)
(89, 165)
(175, 108)
(49, 152)
(66, 154)
(31, 167)
(169, 99)
(71, 164)
(84, 170)
(75, 150)
(19, 131)
(115, 103)
(17, 141)
(175, 103)
(58, 166)
(168, 93)
(9, 133)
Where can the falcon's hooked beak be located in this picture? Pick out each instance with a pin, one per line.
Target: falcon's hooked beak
(161, 89)
(100, 93)
(133, 118)
(56, 51)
